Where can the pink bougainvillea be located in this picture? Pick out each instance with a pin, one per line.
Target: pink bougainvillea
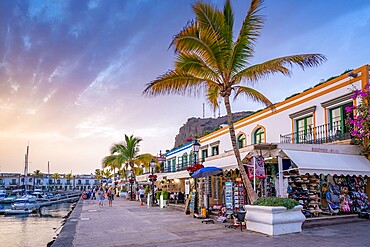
(359, 124)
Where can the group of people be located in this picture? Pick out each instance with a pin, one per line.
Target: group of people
(102, 193)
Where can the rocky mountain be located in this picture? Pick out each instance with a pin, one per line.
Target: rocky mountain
(197, 127)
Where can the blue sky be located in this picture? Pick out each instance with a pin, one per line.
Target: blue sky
(72, 72)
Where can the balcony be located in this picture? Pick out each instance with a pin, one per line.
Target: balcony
(326, 133)
(179, 167)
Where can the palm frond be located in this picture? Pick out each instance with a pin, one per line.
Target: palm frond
(252, 94)
(213, 96)
(281, 65)
(175, 82)
(195, 65)
(249, 32)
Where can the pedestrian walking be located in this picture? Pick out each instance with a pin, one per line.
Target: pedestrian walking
(101, 196)
(110, 194)
(141, 193)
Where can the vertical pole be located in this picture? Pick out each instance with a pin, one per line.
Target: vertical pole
(281, 174)
(196, 188)
(153, 196)
(47, 183)
(254, 173)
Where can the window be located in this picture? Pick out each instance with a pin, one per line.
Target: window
(304, 127)
(168, 166)
(259, 136)
(58, 181)
(337, 116)
(87, 182)
(241, 141)
(79, 182)
(173, 168)
(191, 159)
(30, 180)
(184, 160)
(14, 182)
(214, 150)
(50, 181)
(38, 181)
(204, 154)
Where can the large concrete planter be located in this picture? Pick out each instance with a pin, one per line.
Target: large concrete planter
(274, 220)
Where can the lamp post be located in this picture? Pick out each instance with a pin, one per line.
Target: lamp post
(131, 180)
(152, 165)
(196, 147)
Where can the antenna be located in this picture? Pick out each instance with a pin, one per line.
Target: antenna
(204, 111)
(219, 111)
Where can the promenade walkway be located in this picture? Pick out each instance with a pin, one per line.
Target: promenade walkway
(129, 224)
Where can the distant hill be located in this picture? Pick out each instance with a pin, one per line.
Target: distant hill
(197, 127)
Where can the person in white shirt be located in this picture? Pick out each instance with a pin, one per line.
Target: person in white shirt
(141, 193)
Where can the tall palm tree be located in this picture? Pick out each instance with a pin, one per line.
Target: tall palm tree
(107, 173)
(209, 61)
(126, 153)
(112, 162)
(55, 176)
(37, 174)
(99, 175)
(69, 176)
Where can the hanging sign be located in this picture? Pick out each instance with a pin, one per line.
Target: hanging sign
(260, 167)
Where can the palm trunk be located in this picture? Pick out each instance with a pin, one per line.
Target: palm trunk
(247, 183)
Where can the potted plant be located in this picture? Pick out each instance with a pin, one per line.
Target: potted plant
(123, 192)
(275, 216)
(163, 199)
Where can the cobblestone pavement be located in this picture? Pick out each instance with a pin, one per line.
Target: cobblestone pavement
(129, 224)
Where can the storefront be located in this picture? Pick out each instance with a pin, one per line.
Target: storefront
(325, 183)
(325, 179)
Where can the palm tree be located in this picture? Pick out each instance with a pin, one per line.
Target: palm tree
(126, 153)
(37, 174)
(69, 176)
(209, 61)
(112, 162)
(99, 175)
(55, 176)
(107, 173)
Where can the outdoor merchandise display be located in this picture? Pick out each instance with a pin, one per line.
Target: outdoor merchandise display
(229, 196)
(328, 194)
(239, 195)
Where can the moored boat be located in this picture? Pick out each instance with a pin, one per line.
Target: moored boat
(19, 211)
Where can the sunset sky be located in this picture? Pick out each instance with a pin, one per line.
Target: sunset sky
(72, 72)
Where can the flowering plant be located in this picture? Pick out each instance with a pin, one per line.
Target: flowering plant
(359, 123)
(194, 168)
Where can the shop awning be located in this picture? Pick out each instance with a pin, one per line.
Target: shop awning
(225, 163)
(329, 163)
(180, 174)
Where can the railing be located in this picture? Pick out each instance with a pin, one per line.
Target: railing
(326, 133)
(178, 167)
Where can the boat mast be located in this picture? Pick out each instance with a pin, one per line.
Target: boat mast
(26, 169)
(48, 176)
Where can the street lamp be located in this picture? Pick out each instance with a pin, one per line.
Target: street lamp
(196, 147)
(153, 179)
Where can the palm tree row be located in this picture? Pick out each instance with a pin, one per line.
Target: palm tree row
(125, 157)
(210, 62)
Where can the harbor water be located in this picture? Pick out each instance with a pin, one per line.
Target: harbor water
(34, 229)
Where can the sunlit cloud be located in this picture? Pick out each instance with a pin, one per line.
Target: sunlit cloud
(96, 127)
(47, 98)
